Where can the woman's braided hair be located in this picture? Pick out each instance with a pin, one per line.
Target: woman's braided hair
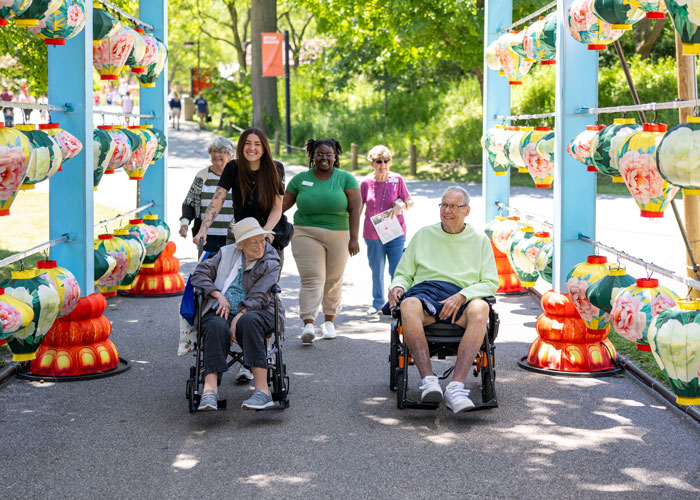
(313, 144)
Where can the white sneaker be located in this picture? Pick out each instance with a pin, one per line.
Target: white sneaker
(431, 392)
(457, 397)
(244, 375)
(308, 334)
(372, 311)
(328, 330)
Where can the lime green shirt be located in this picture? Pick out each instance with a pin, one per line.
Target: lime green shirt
(322, 203)
(465, 259)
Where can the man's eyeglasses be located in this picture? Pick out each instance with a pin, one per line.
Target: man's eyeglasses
(382, 161)
(445, 206)
(326, 156)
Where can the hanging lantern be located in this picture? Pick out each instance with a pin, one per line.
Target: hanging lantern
(39, 293)
(540, 168)
(14, 162)
(586, 28)
(522, 263)
(603, 292)
(545, 147)
(620, 14)
(674, 339)
(147, 233)
(492, 225)
(580, 146)
(606, 142)
(161, 278)
(154, 250)
(491, 57)
(150, 55)
(508, 281)
(36, 12)
(514, 66)
(104, 264)
(678, 156)
(103, 147)
(12, 8)
(654, 9)
(149, 77)
(637, 164)
(134, 141)
(142, 156)
(104, 25)
(115, 247)
(69, 144)
(635, 306)
(65, 283)
(122, 150)
(14, 314)
(109, 57)
(503, 232)
(513, 240)
(512, 148)
(686, 19)
(493, 142)
(532, 45)
(136, 256)
(45, 158)
(543, 260)
(547, 36)
(63, 24)
(163, 143)
(138, 51)
(581, 277)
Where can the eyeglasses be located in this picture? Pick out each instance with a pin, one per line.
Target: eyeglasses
(383, 161)
(326, 156)
(452, 208)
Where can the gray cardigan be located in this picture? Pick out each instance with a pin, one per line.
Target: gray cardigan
(210, 275)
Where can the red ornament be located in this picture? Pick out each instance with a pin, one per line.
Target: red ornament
(507, 279)
(161, 279)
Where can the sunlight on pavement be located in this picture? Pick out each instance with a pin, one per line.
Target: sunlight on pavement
(375, 400)
(561, 438)
(580, 382)
(265, 480)
(384, 421)
(443, 439)
(617, 418)
(41, 383)
(644, 477)
(185, 461)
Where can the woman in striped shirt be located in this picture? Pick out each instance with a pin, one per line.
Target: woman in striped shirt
(221, 151)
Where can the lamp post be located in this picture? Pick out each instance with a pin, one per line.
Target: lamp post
(189, 44)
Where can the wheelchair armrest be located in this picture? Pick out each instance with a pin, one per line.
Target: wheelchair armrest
(275, 289)
(198, 292)
(396, 311)
(490, 300)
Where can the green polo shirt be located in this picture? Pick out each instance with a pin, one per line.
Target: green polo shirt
(322, 203)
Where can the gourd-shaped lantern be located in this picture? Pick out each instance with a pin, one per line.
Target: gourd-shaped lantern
(685, 15)
(39, 293)
(63, 24)
(620, 14)
(45, 158)
(14, 162)
(121, 252)
(154, 250)
(122, 150)
(149, 77)
(540, 168)
(635, 306)
(14, 314)
(545, 147)
(603, 292)
(522, 263)
(136, 255)
(138, 51)
(69, 144)
(512, 148)
(543, 260)
(580, 146)
(674, 339)
(491, 57)
(637, 164)
(503, 231)
(36, 12)
(109, 57)
(163, 143)
(104, 264)
(103, 148)
(104, 25)
(533, 47)
(147, 233)
(514, 65)
(586, 28)
(678, 156)
(142, 156)
(12, 8)
(65, 283)
(606, 142)
(582, 276)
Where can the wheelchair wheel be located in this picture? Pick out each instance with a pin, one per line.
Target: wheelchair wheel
(394, 358)
(488, 378)
(190, 395)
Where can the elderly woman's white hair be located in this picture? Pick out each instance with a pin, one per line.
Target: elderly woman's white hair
(222, 144)
(379, 151)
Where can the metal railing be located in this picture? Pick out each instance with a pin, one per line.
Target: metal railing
(125, 14)
(649, 106)
(527, 215)
(525, 19)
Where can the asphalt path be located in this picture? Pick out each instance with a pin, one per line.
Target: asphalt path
(131, 435)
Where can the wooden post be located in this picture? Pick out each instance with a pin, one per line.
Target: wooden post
(353, 156)
(277, 143)
(687, 89)
(413, 159)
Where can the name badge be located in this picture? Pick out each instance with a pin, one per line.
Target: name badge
(393, 180)
(307, 183)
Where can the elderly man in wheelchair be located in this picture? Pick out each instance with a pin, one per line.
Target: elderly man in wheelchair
(443, 277)
(237, 284)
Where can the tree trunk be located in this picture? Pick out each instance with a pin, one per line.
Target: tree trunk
(480, 77)
(645, 37)
(263, 19)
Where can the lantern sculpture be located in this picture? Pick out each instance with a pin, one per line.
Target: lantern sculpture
(686, 19)
(36, 12)
(63, 24)
(580, 278)
(580, 146)
(104, 264)
(104, 25)
(147, 233)
(162, 278)
(533, 46)
(491, 226)
(109, 57)
(39, 293)
(620, 14)
(491, 57)
(12, 8)
(503, 231)
(142, 156)
(14, 162)
(674, 339)
(603, 292)
(545, 147)
(163, 142)
(637, 164)
(606, 142)
(103, 147)
(122, 150)
(45, 158)
(14, 314)
(69, 144)
(150, 75)
(540, 168)
(115, 247)
(678, 156)
(522, 263)
(508, 281)
(65, 283)
(635, 306)
(514, 66)
(543, 260)
(136, 256)
(138, 51)
(586, 28)
(512, 148)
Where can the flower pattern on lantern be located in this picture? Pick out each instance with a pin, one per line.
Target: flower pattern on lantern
(122, 150)
(580, 146)
(65, 283)
(63, 24)
(162, 145)
(532, 43)
(69, 144)
(586, 28)
(678, 156)
(547, 37)
(121, 252)
(545, 147)
(138, 51)
(14, 162)
(581, 277)
(493, 142)
(104, 264)
(606, 142)
(523, 262)
(14, 314)
(137, 255)
(620, 14)
(492, 58)
(515, 67)
(37, 12)
(543, 261)
(150, 75)
(602, 293)
(103, 147)
(12, 8)
(154, 250)
(142, 156)
(109, 57)
(503, 231)
(685, 15)
(45, 158)
(540, 168)
(512, 148)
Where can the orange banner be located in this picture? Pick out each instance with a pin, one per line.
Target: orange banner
(272, 48)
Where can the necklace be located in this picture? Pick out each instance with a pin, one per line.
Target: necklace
(379, 208)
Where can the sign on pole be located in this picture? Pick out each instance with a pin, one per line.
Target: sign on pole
(272, 48)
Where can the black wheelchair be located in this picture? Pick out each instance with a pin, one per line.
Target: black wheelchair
(277, 377)
(443, 340)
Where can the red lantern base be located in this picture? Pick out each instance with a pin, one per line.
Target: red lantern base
(655, 15)
(644, 347)
(55, 41)
(109, 171)
(651, 215)
(543, 186)
(138, 70)
(109, 77)
(3, 22)
(136, 178)
(595, 46)
(515, 83)
(591, 168)
(548, 62)
(162, 279)
(507, 279)
(5, 212)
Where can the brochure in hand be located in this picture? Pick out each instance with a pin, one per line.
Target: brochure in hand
(388, 227)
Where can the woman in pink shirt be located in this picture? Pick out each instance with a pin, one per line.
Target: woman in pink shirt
(382, 191)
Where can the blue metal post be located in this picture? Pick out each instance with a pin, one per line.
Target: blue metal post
(152, 101)
(498, 14)
(70, 191)
(574, 187)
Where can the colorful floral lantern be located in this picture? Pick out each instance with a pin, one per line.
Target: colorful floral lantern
(70, 145)
(513, 240)
(522, 263)
(581, 277)
(36, 12)
(637, 164)
(14, 314)
(136, 256)
(543, 260)
(606, 142)
(512, 148)
(14, 162)
(508, 281)
(491, 57)
(580, 146)
(104, 264)
(678, 156)
(635, 306)
(103, 146)
(154, 250)
(540, 168)
(493, 142)
(150, 55)
(547, 37)
(620, 14)
(514, 66)
(163, 142)
(162, 278)
(149, 77)
(586, 28)
(122, 150)
(109, 57)
(654, 9)
(12, 8)
(603, 292)
(138, 51)
(104, 25)
(63, 24)
(45, 157)
(492, 225)
(532, 46)
(142, 156)
(148, 234)
(674, 339)
(545, 147)
(503, 231)
(65, 283)
(115, 247)
(39, 293)
(685, 15)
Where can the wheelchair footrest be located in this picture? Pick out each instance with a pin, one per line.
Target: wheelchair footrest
(420, 406)
(484, 406)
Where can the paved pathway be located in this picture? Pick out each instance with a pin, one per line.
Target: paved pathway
(131, 436)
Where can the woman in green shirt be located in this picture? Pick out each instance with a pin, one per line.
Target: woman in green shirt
(326, 228)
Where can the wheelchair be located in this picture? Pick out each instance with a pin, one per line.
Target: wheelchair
(443, 340)
(277, 377)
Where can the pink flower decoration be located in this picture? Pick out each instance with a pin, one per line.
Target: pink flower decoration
(577, 291)
(10, 318)
(641, 176)
(13, 165)
(74, 16)
(70, 145)
(71, 295)
(122, 151)
(538, 166)
(119, 270)
(627, 317)
(661, 302)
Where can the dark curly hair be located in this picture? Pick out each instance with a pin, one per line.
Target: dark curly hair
(313, 144)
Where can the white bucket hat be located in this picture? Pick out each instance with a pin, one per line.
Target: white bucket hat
(247, 228)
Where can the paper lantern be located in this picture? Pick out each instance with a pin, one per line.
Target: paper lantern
(685, 15)
(491, 225)
(654, 9)
(491, 57)
(508, 281)
(149, 235)
(162, 145)
(65, 283)
(512, 148)
(603, 292)
(69, 144)
(545, 147)
(620, 14)
(14, 314)
(14, 162)
(115, 247)
(104, 25)
(161, 278)
(138, 51)
(533, 45)
(586, 28)
(104, 264)
(149, 77)
(635, 306)
(540, 168)
(580, 278)
(547, 36)
(637, 164)
(674, 339)
(503, 231)
(63, 24)
(522, 263)
(12, 8)
(122, 150)
(142, 156)
(580, 146)
(36, 12)
(136, 256)
(514, 65)
(45, 157)
(543, 260)
(150, 55)
(103, 147)
(109, 57)
(606, 142)
(154, 250)
(678, 156)
(493, 142)
(39, 293)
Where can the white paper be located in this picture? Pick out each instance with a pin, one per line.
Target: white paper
(388, 228)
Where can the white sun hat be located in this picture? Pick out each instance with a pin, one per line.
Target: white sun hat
(247, 228)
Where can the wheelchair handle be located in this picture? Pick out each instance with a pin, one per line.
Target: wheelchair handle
(200, 248)
(275, 289)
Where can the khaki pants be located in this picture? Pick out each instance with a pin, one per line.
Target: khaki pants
(321, 255)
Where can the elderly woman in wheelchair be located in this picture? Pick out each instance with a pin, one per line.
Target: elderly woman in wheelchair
(239, 308)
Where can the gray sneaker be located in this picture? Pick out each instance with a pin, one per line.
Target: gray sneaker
(208, 402)
(258, 401)
(244, 375)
